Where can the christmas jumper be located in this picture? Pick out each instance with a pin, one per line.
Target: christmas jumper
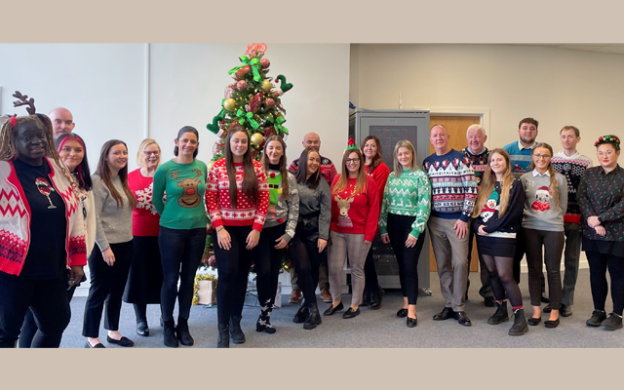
(573, 168)
(246, 212)
(478, 162)
(508, 225)
(519, 157)
(282, 210)
(539, 207)
(185, 185)
(452, 185)
(145, 218)
(87, 209)
(16, 219)
(355, 213)
(328, 170)
(380, 176)
(113, 225)
(407, 195)
(602, 195)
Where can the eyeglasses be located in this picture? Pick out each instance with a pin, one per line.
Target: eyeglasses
(156, 154)
(352, 160)
(544, 156)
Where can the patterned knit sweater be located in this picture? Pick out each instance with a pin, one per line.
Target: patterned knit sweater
(453, 185)
(218, 202)
(573, 168)
(408, 194)
(478, 162)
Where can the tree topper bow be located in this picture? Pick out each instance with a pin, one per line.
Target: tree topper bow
(254, 63)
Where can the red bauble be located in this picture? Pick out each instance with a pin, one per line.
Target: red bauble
(265, 63)
(242, 72)
(269, 131)
(254, 103)
(242, 85)
(269, 102)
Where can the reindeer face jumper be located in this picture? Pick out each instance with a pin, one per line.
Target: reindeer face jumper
(185, 185)
(355, 213)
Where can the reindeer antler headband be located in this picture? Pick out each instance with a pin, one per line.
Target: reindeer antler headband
(23, 101)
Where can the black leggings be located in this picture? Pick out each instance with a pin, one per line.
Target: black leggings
(233, 269)
(552, 244)
(307, 260)
(399, 227)
(268, 264)
(598, 265)
(502, 278)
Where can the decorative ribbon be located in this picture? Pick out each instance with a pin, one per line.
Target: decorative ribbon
(254, 63)
(247, 117)
(277, 123)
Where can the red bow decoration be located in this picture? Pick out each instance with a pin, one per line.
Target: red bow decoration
(255, 49)
(13, 121)
(539, 206)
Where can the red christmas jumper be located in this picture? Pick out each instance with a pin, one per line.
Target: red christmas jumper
(359, 216)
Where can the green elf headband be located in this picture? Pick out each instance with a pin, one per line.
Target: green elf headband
(609, 139)
(351, 145)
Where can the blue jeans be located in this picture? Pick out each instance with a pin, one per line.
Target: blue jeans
(185, 247)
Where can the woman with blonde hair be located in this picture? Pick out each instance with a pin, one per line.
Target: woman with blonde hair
(146, 274)
(405, 210)
(546, 193)
(355, 209)
(497, 219)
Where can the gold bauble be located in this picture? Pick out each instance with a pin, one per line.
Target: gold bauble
(229, 104)
(266, 86)
(257, 139)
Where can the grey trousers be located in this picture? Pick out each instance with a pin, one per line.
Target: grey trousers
(451, 255)
(572, 253)
(341, 245)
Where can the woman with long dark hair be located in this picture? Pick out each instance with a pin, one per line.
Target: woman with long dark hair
(279, 227)
(110, 260)
(237, 197)
(308, 249)
(182, 235)
(497, 219)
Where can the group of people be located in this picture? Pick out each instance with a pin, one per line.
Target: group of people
(144, 232)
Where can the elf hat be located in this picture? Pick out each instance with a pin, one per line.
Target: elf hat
(352, 145)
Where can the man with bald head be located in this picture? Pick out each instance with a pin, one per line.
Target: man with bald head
(62, 121)
(328, 170)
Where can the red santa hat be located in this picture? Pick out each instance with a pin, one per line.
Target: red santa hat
(543, 190)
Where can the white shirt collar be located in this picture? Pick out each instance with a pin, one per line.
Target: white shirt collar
(520, 146)
(536, 173)
(476, 154)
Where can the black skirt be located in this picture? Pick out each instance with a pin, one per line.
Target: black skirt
(496, 246)
(146, 275)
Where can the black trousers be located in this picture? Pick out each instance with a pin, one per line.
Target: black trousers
(107, 288)
(399, 227)
(268, 264)
(521, 245)
(598, 265)
(179, 248)
(370, 273)
(233, 269)
(48, 300)
(552, 242)
(307, 260)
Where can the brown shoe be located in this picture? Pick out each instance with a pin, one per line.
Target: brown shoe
(295, 296)
(327, 298)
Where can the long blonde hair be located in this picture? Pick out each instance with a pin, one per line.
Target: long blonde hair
(554, 183)
(398, 168)
(488, 182)
(360, 184)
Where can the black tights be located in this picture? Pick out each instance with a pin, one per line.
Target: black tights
(501, 271)
(307, 260)
(268, 265)
(598, 265)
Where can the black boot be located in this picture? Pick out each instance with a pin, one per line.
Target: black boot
(238, 337)
(182, 332)
(501, 314)
(520, 325)
(302, 315)
(224, 336)
(366, 298)
(314, 319)
(264, 320)
(169, 334)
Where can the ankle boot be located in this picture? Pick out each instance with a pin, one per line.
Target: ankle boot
(224, 336)
(302, 315)
(238, 337)
(520, 325)
(501, 314)
(314, 319)
(183, 334)
(169, 334)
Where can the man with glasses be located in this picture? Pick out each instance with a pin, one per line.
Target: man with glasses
(62, 121)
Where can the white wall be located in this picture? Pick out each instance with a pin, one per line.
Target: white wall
(556, 86)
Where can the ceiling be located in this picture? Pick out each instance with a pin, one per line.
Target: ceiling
(605, 48)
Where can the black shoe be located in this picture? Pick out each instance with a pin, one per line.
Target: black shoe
(182, 331)
(534, 321)
(169, 334)
(302, 315)
(350, 313)
(332, 310)
(123, 342)
(142, 329)
(462, 318)
(366, 298)
(376, 298)
(224, 336)
(236, 333)
(500, 315)
(402, 313)
(596, 319)
(489, 301)
(547, 309)
(614, 322)
(445, 314)
(565, 311)
(544, 299)
(519, 326)
(314, 318)
(412, 322)
(551, 324)
(98, 345)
